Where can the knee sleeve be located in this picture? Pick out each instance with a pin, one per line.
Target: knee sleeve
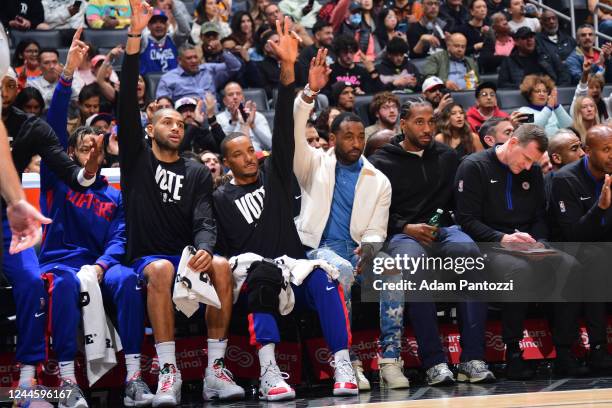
(264, 282)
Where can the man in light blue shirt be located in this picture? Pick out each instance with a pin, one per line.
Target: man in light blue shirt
(193, 79)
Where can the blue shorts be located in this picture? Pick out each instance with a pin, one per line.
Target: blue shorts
(141, 263)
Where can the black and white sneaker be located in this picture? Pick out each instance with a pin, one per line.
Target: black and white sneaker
(440, 374)
(474, 371)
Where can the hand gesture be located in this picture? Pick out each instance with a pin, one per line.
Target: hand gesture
(517, 118)
(115, 53)
(446, 100)
(211, 104)
(552, 98)
(251, 108)
(151, 109)
(287, 49)
(141, 14)
(318, 74)
(586, 66)
(201, 261)
(113, 144)
(24, 221)
(76, 53)
(423, 233)
(92, 166)
(605, 198)
(368, 65)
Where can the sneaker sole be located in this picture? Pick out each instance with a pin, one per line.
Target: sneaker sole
(279, 397)
(346, 392)
(209, 394)
(445, 381)
(128, 402)
(386, 385)
(472, 380)
(158, 404)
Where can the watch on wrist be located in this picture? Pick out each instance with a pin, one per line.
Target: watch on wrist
(309, 93)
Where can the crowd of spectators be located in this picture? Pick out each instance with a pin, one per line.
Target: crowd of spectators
(203, 63)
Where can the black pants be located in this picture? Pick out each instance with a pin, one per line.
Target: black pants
(534, 279)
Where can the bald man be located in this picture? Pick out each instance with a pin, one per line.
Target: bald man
(452, 66)
(378, 140)
(564, 148)
(581, 208)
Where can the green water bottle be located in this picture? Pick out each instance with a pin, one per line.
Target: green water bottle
(435, 219)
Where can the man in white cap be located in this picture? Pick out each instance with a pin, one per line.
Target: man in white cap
(436, 93)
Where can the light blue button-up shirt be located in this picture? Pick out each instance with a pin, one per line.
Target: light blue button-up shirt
(211, 76)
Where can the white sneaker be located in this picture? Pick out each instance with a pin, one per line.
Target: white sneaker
(440, 374)
(272, 385)
(219, 383)
(392, 373)
(362, 382)
(346, 382)
(137, 393)
(74, 396)
(168, 387)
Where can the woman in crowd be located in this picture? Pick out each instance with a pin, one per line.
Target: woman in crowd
(541, 94)
(257, 12)
(243, 28)
(209, 10)
(357, 20)
(213, 162)
(26, 57)
(31, 101)
(476, 29)
(585, 116)
(497, 45)
(592, 85)
(386, 27)
(454, 130)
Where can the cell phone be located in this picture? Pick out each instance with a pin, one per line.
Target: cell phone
(245, 115)
(528, 118)
(402, 27)
(444, 90)
(77, 4)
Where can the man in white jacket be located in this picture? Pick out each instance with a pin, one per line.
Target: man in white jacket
(62, 14)
(345, 200)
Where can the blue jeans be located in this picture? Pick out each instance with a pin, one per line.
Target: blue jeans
(423, 315)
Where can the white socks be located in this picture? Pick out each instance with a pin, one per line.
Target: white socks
(26, 375)
(166, 353)
(266, 357)
(216, 350)
(132, 363)
(67, 370)
(342, 355)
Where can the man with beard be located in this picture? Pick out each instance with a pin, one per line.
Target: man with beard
(431, 166)
(255, 215)
(601, 63)
(255, 125)
(343, 96)
(552, 40)
(436, 94)
(168, 207)
(323, 35)
(385, 107)
(51, 70)
(335, 226)
(580, 204)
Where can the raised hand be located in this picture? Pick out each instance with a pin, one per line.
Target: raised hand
(318, 74)
(211, 104)
(605, 198)
(24, 221)
(76, 53)
(141, 14)
(287, 49)
(552, 98)
(92, 166)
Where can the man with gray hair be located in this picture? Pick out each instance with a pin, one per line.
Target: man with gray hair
(193, 79)
(601, 63)
(551, 39)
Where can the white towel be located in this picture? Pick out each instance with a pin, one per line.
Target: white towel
(294, 272)
(101, 339)
(191, 288)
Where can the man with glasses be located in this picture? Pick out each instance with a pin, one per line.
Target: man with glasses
(486, 106)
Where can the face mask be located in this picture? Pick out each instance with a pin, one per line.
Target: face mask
(355, 19)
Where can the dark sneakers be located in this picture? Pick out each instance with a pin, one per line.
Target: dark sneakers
(567, 365)
(517, 368)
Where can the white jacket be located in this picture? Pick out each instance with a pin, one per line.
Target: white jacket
(316, 173)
